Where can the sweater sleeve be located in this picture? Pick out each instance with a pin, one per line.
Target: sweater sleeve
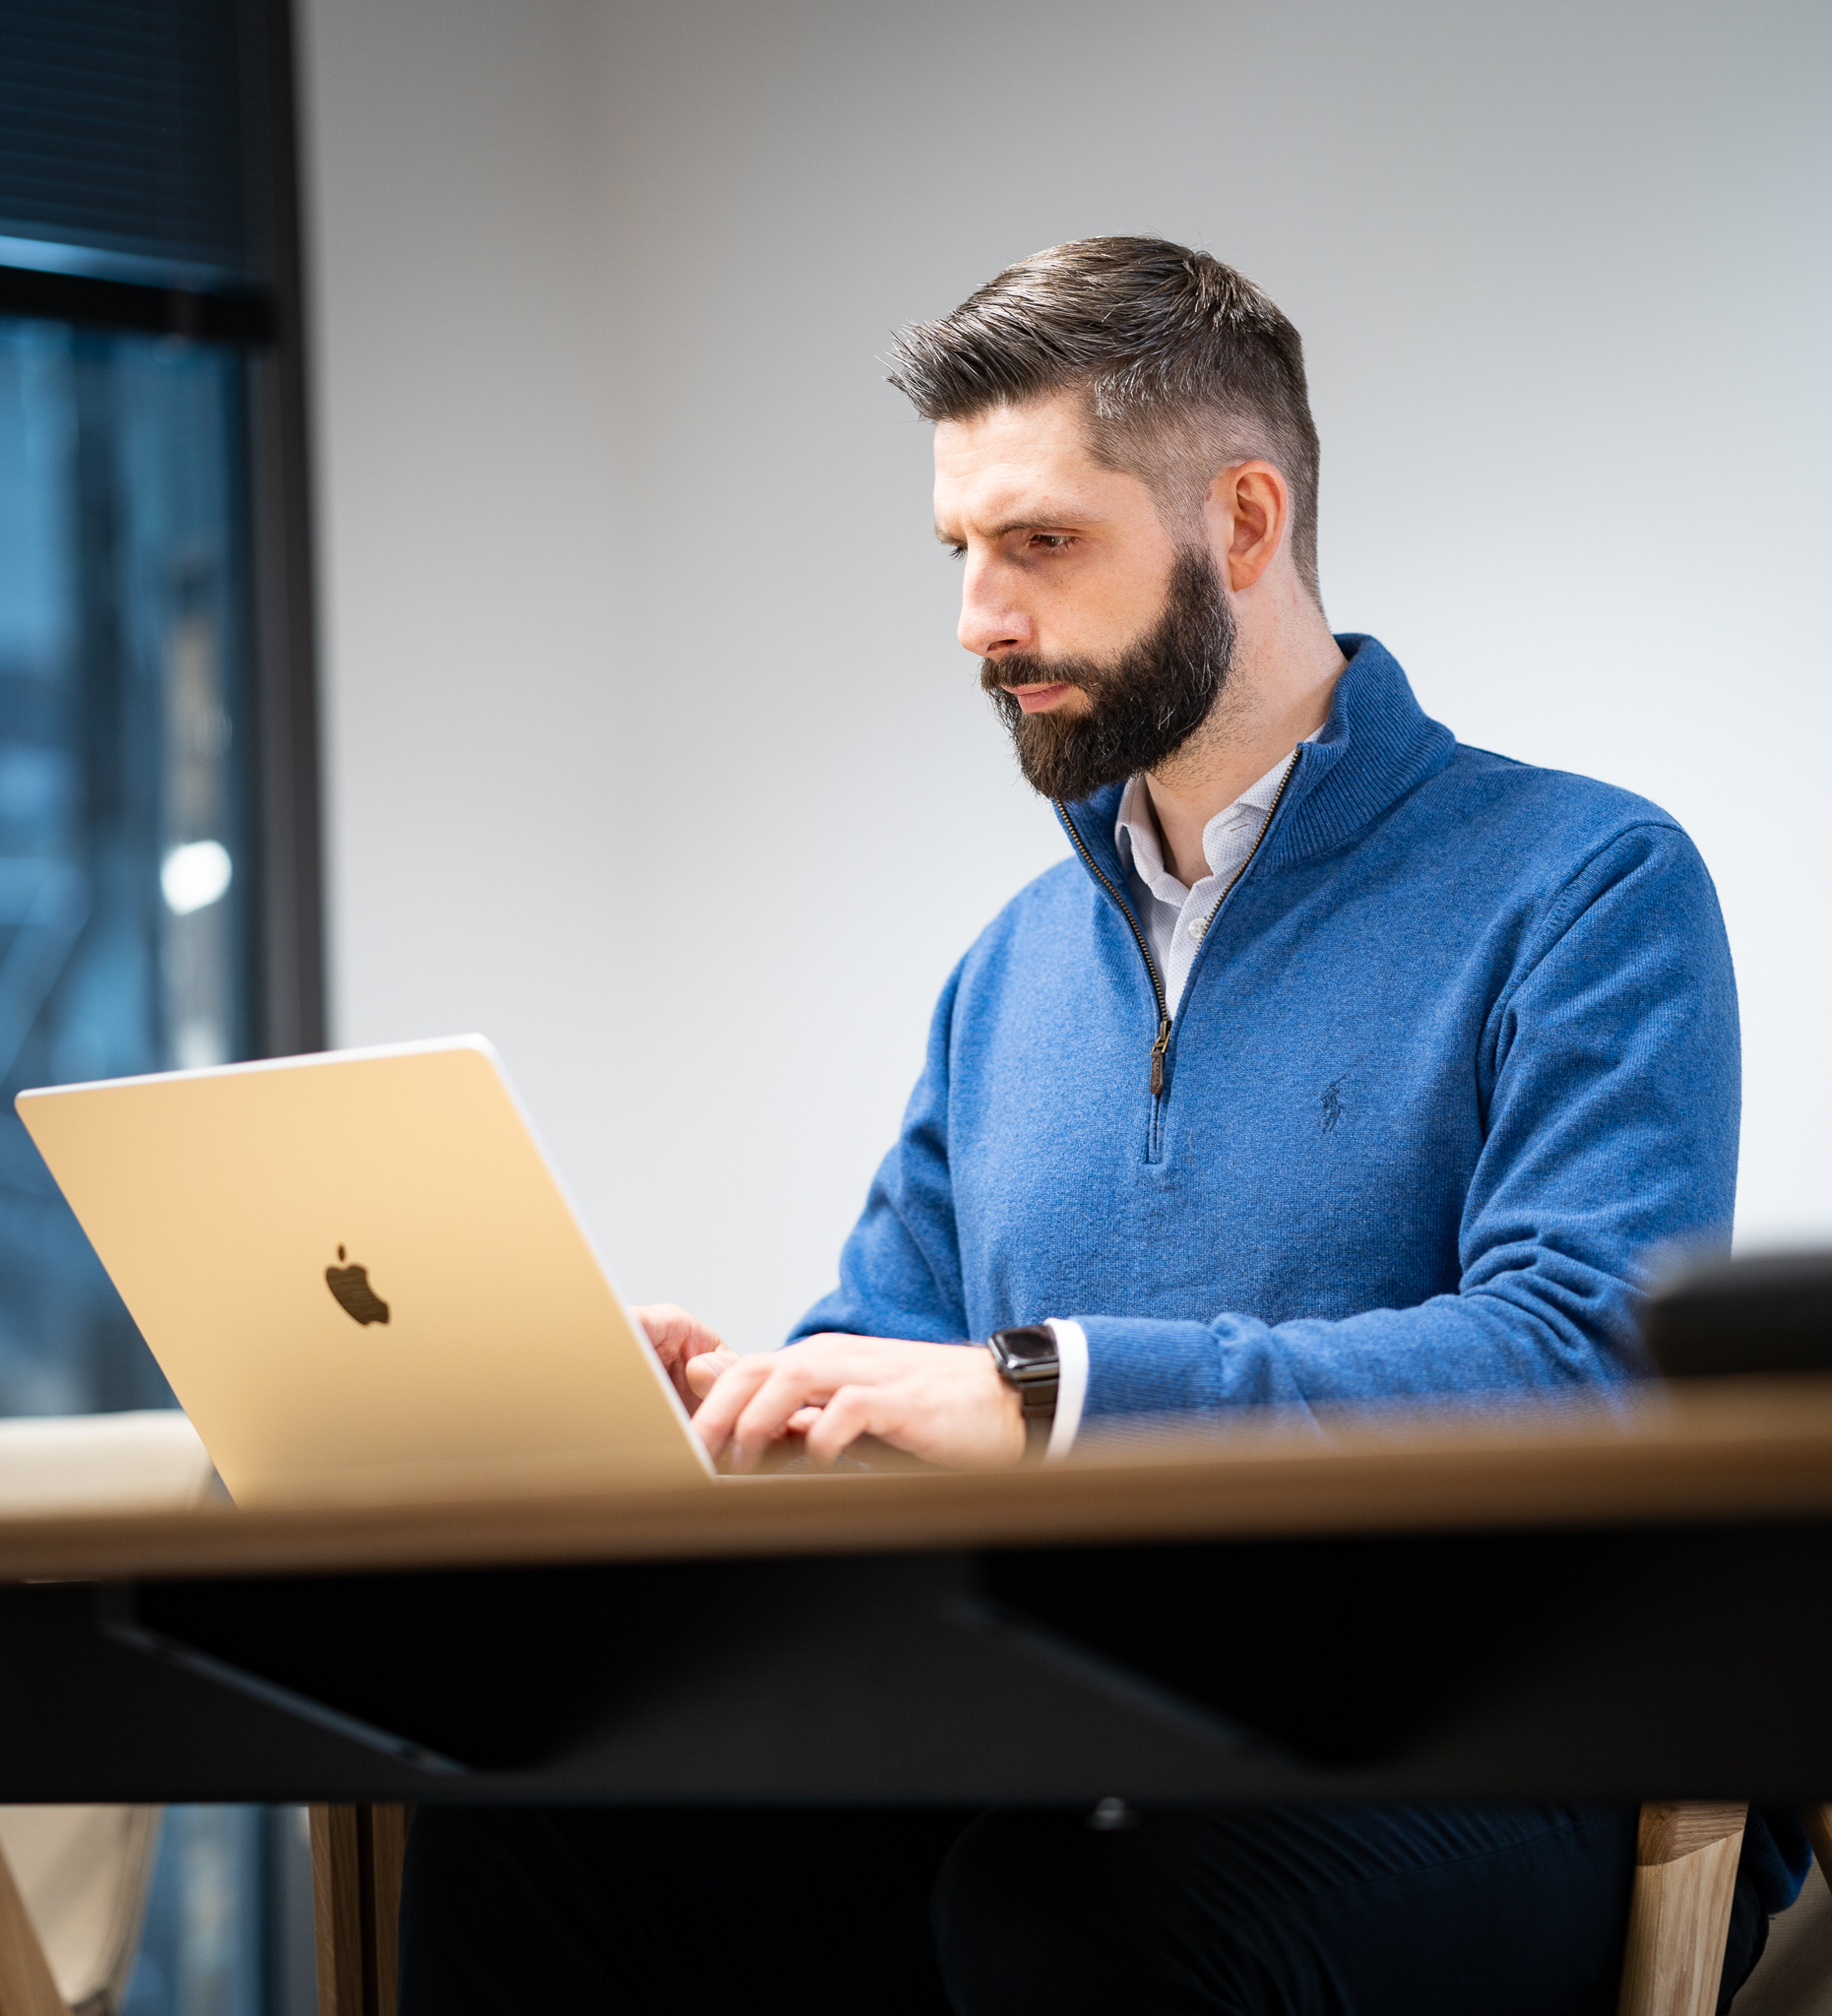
(900, 1270)
(1609, 1075)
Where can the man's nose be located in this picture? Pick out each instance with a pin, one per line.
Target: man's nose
(990, 623)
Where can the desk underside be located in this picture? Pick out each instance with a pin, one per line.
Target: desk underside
(1603, 1661)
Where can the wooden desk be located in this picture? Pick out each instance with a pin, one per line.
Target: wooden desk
(1573, 1600)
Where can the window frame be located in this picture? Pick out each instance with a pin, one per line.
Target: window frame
(268, 325)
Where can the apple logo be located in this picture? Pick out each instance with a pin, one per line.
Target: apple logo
(356, 1297)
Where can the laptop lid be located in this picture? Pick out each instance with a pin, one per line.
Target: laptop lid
(362, 1277)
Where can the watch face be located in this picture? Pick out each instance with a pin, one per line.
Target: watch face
(1033, 1345)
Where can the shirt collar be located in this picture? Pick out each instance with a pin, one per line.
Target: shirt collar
(1135, 831)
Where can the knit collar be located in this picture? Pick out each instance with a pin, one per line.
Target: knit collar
(1378, 745)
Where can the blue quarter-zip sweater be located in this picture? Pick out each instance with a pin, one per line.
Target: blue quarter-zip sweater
(1458, 1050)
(1457, 1053)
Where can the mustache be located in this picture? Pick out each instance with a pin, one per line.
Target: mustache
(996, 674)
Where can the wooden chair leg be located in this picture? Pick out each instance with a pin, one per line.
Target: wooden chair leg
(1685, 1875)
(356, 1858)
(27, 1984)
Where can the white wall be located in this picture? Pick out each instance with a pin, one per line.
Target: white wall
(650, 752)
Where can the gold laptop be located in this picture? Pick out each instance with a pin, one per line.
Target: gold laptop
(363, 1277)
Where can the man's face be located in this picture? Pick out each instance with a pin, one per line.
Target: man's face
(1104, 640)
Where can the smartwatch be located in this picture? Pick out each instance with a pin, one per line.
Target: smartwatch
(1026, 1358)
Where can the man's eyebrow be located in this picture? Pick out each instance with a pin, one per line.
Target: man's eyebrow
(1032, 521)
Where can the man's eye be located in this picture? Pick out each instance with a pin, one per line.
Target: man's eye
(957, 553)
(1053, 542)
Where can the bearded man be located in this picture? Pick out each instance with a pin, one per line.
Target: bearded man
(1337, 1062)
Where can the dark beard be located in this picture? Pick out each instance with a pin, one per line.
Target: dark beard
(1147, 703)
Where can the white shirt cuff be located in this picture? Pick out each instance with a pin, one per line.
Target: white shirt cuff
(1071, 1386)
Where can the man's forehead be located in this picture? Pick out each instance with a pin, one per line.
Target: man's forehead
(1016, 466)
(1047, 432)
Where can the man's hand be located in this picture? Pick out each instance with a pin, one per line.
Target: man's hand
(691, 1354)
(942, 1402)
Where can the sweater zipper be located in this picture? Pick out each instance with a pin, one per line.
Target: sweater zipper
(1150, 965)
(1162, 1039)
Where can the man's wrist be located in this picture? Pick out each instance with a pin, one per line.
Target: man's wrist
(1027, 1361)
(1011, 1417)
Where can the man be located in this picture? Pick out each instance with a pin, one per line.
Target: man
(1337, 1062)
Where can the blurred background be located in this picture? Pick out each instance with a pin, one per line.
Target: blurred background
(460, 567)
(650, 751)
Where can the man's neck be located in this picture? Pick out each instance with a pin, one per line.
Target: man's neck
(1272, 700)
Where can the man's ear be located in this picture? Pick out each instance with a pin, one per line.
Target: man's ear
(1247, 509)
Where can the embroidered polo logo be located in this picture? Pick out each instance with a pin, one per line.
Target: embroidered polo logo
(1329, 1108)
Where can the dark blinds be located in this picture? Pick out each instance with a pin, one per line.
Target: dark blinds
(129, 126)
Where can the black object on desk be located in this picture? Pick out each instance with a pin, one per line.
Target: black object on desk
(1772, 1313)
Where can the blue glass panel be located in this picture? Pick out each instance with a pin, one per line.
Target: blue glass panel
(195, 1956)
(125, 875)
(228, 1926)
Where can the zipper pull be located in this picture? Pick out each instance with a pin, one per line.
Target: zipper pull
(1157, 1057)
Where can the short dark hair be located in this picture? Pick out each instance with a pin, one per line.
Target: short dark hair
(1185, 365)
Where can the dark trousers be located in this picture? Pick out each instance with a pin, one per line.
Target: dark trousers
(1277, 1911)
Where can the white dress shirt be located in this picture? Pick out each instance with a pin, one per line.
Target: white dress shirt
(1174, 920)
